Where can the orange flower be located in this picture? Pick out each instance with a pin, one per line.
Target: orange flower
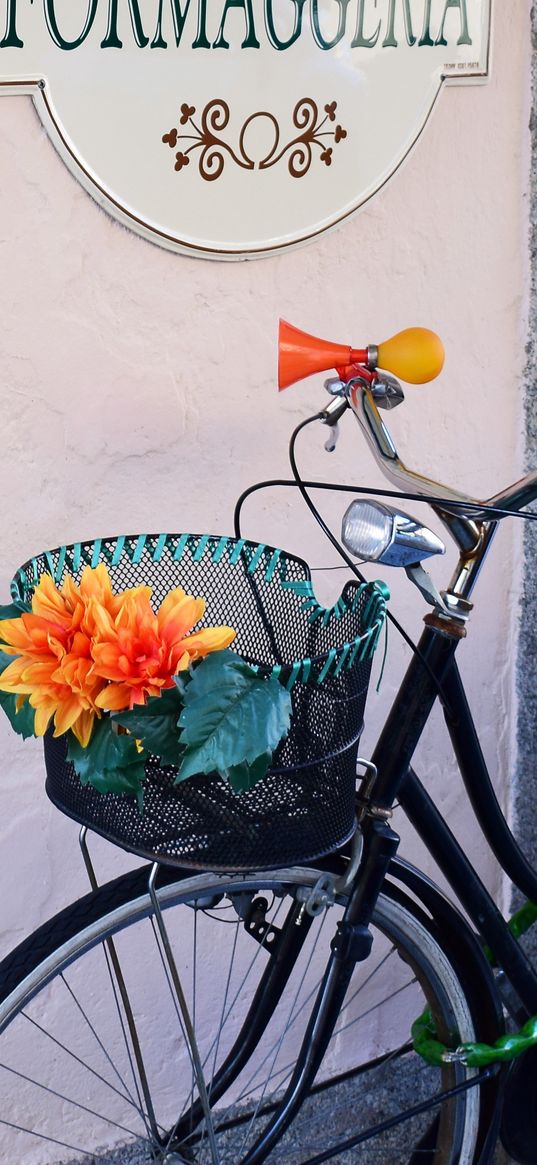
(140, 652)
(82, 649)
(53, 667)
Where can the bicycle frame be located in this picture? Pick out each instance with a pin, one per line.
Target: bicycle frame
(397, 781)
(433, 670)
(473, 531)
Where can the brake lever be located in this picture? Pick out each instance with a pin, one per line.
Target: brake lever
(333, 438)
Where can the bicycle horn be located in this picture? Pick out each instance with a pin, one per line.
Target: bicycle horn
(416, 355)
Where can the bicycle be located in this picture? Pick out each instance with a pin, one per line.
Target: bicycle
(323, 964)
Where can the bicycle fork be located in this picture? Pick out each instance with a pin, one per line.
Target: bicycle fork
(350, 945)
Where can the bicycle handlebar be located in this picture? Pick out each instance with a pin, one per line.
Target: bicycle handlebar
(417, 356)
(382, 445)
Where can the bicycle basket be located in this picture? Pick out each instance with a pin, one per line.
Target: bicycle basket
(304, 807)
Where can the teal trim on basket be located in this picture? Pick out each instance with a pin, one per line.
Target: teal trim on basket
(50, 562)
(327, 666)
(367, 650)
(358, 595)
(385, 655)
(370, 608)
(355, 651)
(303, 588)
(180, 548)
(269, 574)
(295, 672)
(201, 548)
(76, 556)
(274, 565)
(118, 551)
(256, 558)
(219, 549)
(236, 552)
(161, 544)
(17, 588)
(341, 661)
(139, 548)
(60, 563)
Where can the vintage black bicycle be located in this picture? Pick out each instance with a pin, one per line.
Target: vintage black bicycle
(278, 984)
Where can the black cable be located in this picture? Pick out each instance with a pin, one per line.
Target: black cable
(479, 507)
(348, 561)
(495, 512)
(311, 505)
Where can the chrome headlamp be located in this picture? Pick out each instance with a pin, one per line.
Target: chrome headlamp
(377, 533)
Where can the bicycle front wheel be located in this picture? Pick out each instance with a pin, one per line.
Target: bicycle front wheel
(105, 1024)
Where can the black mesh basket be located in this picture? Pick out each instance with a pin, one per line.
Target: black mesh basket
(304, 807)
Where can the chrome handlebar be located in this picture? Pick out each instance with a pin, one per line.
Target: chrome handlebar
(472, 531)
(382, 445)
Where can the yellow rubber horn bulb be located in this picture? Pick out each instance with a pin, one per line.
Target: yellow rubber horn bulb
(415, 355)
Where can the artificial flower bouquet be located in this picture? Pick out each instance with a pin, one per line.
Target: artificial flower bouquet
(123, 681)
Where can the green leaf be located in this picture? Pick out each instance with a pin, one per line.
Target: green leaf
(120, 781)
(111, 763)
(182, 681)
(231, 715)
(23, 720)
(244, 776)
(156, 725)
(14, 610)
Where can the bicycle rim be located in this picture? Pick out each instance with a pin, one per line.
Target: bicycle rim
(78, 1087)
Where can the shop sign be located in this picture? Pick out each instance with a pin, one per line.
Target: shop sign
(234, 128)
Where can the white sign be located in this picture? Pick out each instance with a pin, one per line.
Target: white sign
(233, 128)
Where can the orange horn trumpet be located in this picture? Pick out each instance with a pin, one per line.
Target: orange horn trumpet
(415, 355)
(301, 355)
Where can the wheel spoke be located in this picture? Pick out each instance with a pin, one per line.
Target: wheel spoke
(69, 1052)
(83, 1013)
(194, 988)
(131, 1053)
(68, 1099)
(287, 1026)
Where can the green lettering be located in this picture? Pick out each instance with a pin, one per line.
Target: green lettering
(426, 37)
(201, 41)
(360, 41)
(271, 31)
(315, 27)
(179, 18)
(111, 40)
(250, 41)
(10, 40)
(389, 39)
(465, 37)
(52, 25)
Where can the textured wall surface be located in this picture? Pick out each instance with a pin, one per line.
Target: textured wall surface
(138, 393)
(525, 787)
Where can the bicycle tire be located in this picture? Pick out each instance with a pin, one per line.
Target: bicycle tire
(40, 980)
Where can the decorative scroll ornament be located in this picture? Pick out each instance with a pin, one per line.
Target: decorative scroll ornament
(332, 92)
(298, 151)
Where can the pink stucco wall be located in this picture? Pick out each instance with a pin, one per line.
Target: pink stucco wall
(138, 393)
